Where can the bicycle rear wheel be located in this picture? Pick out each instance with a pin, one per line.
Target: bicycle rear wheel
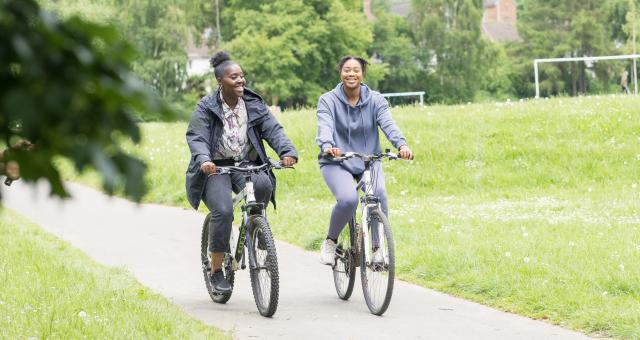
(227, 268)
(264, 276)
(344, 270)
(377, 273)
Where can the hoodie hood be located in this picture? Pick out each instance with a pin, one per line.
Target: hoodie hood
(365, 95)
(354, 113)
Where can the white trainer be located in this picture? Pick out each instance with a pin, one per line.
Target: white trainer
(328, 252)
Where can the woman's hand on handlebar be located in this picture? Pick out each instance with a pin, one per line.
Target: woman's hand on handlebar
(333, 152)
(288, 161)
(208, 168)
(405, 153)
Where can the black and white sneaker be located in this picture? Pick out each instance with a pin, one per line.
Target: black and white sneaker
(219, 283)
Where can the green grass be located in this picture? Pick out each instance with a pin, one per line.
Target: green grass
(532, 207)
(53, 291)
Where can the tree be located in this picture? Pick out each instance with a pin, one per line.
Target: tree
(448, 36)
(67, 87)
(289, 49)
(394, 46)
(159, 30)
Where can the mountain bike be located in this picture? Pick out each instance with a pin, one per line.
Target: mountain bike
(252, 242)
(367, 243)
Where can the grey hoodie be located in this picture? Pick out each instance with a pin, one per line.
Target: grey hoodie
(355, 129)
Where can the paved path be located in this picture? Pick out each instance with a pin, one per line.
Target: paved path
(160, 246)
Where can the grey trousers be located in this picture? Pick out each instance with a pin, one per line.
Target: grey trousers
(217, 197)
(343, 187)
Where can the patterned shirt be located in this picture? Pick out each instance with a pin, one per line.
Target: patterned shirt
(233, 143)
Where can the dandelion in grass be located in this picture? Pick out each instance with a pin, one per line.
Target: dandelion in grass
(526, 260)
(82, 314)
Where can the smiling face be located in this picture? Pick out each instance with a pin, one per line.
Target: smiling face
(351, 74)
(232, 81)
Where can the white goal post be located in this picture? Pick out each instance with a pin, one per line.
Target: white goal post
(613, 57)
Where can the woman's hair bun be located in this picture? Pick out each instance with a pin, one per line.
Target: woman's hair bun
(219, 58)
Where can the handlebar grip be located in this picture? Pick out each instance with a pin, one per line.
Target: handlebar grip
(8, 181)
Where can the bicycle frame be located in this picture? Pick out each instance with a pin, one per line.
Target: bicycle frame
(246, 199)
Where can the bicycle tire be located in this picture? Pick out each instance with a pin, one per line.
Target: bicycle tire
(264, 277)
(374, 275)
(227, 268)
(344, 271)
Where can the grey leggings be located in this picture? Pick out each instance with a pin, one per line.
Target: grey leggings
(343, 186)
(217, 197)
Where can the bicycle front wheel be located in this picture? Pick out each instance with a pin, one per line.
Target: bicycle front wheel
(344, 270)
(227, 267)
(377, 263)
(263, 266)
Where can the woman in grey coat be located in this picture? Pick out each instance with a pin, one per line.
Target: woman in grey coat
(348, 121)
(229, 126)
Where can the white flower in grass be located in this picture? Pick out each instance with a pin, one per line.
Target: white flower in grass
(571, 244)
(412, 220)
(526, 260)
(403, 192)
(621, 266)
(605, 293)
(82, 314)
(634, 185)
(525, 234)
(507, 254)
(590, 189)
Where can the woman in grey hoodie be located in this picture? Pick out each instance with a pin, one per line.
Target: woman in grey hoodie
(348, 120)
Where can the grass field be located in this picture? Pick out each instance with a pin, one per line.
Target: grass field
(53, 291)
(532, 207)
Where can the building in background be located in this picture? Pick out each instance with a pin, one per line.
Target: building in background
(499, 21)
(198, 55)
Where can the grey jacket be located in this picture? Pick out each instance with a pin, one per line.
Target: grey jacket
(205, 129)
(355, 128)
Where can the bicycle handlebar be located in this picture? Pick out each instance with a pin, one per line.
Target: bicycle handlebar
(364, 157)
(220, 170)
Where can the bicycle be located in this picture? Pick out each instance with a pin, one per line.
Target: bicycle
(367, 244)
(253, 238)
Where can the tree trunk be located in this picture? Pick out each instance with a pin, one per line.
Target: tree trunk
(219, 35)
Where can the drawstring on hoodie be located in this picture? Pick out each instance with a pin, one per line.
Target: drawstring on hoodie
(349, 123)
